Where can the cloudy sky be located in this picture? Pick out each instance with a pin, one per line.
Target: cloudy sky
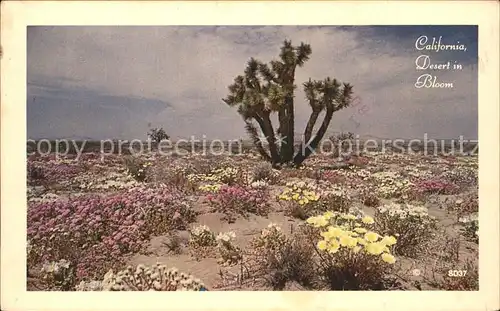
(116, 82)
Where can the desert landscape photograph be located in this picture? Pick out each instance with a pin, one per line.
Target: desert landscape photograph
(252, 158)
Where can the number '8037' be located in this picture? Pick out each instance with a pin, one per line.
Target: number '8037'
(457, 273)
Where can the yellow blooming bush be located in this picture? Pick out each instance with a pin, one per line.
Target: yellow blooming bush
(297, 199)
(302, 200)
(353, 255)
(226, 175)
(300, 192)
(212, 188)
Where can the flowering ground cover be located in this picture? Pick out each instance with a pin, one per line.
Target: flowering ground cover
(384, 221)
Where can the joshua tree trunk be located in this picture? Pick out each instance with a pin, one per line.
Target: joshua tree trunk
(252, 131)
(307, 149)
(291, 133)
(310, 125)
(282, 119)
(267, 129)
(289, 139)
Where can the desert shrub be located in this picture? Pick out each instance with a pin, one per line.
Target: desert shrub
(201, 242)
(201, 236)
(233, 200)
(450, 271)
(229, 253)
(157, 278)
(390, 185)
(359, 161)
(94, 233)
(264, 172)
(278, 259)
(466, 205)
(335, 177)
(342, 143)
(470, 227)
(467, 282)
(351, 255)
(175, 177)
(259, 184)
(35, 173)
(334, 199)
(59, 275)
(413, 226)
(369, 198)
(462, 176)
(174, 243)
(136, 168)
(300, 173)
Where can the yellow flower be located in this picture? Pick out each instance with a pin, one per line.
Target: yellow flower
(368, 220)
(322, 245)
(360, 230)
(351, 242)
(322, 222)
(388, 258)
(328, 215)
(371, 236)
(305, 200)
(295, 196)
(335, 231)
(349, 216)
(312, 220)
(301, 202)
(362, 241)
(389, 240)
(344, 240)
(374, 248)
(334, 247)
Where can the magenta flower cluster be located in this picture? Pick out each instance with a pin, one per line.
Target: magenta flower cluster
(91, 231)
(240, 199)
(52, 172)
(436, 186)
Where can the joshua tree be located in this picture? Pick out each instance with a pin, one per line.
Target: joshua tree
(269, 88)
(158, 134)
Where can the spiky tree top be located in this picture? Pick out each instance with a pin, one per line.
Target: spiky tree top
(264, 89)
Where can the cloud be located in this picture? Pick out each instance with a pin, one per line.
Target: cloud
(190, 68)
